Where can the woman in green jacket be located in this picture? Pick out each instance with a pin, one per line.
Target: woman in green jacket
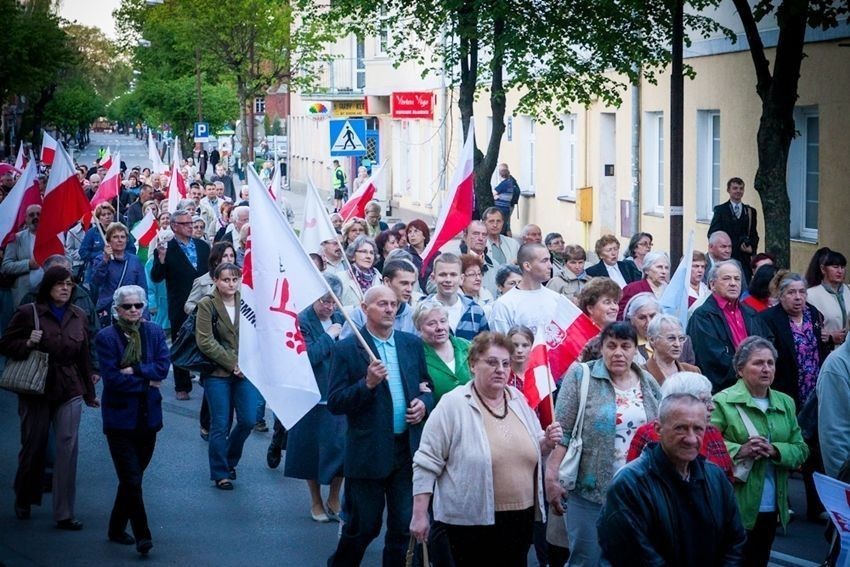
(774, 448)
(445, 354)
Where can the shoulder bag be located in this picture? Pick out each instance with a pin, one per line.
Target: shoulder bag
(568, 471)
(741, 467)
(185, 353)
(26, 376)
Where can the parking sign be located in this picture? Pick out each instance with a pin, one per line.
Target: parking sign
(202, 132)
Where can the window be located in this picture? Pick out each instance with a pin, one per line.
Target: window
(653, 162)
(360, 79)
(803, 177)
(567, 183)
(708, 163)
(383, 43)
(260, 105)
(527, 160)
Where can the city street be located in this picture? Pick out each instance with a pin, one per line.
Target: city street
(265, 520)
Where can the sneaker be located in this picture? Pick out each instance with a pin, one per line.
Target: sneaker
(273, 457)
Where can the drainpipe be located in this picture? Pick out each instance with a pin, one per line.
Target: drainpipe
(634, 209)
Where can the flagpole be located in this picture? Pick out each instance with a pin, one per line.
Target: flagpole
(351, 324)
(549, 383)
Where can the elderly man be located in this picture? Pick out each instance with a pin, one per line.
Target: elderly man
(475, 242)
(332, 255)
(529, 303)
(399, 276)
(225, 180)
(721, 323)
(531, 234)
(18, 261)
(374, 224)
(719, 250)
(385, 401)
(669, 507)
(239, 217)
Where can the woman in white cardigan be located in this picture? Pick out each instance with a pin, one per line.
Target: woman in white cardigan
(481, 458)
(362, 254)
(828, 292)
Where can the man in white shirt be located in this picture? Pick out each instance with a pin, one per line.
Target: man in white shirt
(529, 303)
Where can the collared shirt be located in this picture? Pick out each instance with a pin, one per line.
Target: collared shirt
(389, 356)
(736, 209)
(734, 319)
(496, 252)
(615, 274)
(190, 251)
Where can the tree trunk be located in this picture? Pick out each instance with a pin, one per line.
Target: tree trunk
(486, 166)
(774, 142)
(243, 123)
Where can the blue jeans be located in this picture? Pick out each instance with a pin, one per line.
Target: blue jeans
(224, 395)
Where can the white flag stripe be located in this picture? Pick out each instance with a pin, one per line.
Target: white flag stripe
(674, 300)
(317, 226)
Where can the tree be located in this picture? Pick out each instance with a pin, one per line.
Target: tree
(102, 62)
(554, 54)
(778, 93)
(73, 107)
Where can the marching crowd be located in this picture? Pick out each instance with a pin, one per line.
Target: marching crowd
(663, 443)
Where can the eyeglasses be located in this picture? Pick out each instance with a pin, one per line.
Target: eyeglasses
(495, 363)
(473, 274)
(326, 301)
(128, 306)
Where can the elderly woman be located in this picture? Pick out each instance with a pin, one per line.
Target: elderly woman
(314, 450)
(483, 430)
(639, 246)
(829, 293)
(760, 427)
(620, 398)
(797, 328)
(697, 288)
(353, 228)
(94, 241)
(134, 361)
(507, 277)
(656, 272)
(199, 227)
(713, 446)
(445, 354)
(226, 388)
(361, 254)
(639, 312)
(113, 269)
(599, 300)
(472, 267)
(374, 224)
(572, 278)
(622, 272)
(667, 340)
(63, 335)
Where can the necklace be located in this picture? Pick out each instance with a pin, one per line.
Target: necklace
(487, 407)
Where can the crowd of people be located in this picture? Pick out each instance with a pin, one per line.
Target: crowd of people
(685, 434)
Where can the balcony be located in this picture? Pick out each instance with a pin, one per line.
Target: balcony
(342, 78)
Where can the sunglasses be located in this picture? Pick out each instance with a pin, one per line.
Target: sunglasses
(128, 306)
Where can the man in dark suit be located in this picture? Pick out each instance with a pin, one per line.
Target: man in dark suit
(178, 262)
(740, 222)
(385, 401)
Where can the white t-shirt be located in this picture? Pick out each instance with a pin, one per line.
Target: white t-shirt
(231, 311)
(455, 312)
(523, 307)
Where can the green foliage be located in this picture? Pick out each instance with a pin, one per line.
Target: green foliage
(75, 105)
(102, 63)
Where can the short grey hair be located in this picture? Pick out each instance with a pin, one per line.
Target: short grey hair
(179, 213)
(748, 346)
(424, 307)
(357, 243)
(654, 328)
(238, 210)
(334, 283)
(692, 383)
(638, 302)
(400, 254)
(785, 282)
(372, 206)
(57, 260)
(124, 292)
(653, 258)
(668, 404)
(186, 203)
(716, 236)
(712, 273)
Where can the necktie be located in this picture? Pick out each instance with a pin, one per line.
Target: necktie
(736, 208)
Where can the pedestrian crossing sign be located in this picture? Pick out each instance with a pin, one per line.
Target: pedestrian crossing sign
(348, 137)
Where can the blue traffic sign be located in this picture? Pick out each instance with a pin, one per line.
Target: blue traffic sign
(202, 130)
(348, 137)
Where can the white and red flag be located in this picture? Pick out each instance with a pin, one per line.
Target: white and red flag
(49, 149)
(278, 282)
(456, 210)
(145, 230)
(13, 208)
(317, 227)
(176, 184)
(65, 203)
(21, 160)
(153, 154)
(111, 184)
(106, 160)
(356, 204)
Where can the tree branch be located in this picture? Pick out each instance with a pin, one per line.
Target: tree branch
(760, 62)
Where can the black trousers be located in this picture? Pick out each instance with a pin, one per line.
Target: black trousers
(504, 543)
(182, 379)
(760, 540)
(131, 453)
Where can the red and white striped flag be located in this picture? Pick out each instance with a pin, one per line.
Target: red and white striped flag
(145, 230)
(111, 184)
(278, 282)
(456, 210)
(21, 160)
(356, 204)
(106, 160)
(13, 209)
(49, 149)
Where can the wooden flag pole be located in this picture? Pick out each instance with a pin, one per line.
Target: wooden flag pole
(354, 328)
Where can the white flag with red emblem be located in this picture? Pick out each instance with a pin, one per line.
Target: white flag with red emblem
(278, 282)
(456, 210)
(317, 227)
(145, 229)
(111, 184)
(356, 204)
(49, 147)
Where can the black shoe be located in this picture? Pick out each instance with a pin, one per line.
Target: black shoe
(273, 457)
(123, 538)
(22, 512)
(143, 546)
(71, 524)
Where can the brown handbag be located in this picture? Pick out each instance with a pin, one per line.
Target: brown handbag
(26, 376)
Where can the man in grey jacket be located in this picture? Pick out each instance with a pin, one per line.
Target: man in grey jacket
(833, 391)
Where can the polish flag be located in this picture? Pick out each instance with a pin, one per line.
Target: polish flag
(111, 184)
(317, 227)
(13, 209)
(153, 154)
(537, 384)
(356, 204)
(49, 149)
(279, 281)
(65, 204)
(145, 230)
(20, 161)
(176, 184)
(106, 160)
(456, 210)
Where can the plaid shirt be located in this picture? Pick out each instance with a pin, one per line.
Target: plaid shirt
(713, 446)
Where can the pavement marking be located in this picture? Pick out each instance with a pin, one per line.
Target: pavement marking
(779, 559)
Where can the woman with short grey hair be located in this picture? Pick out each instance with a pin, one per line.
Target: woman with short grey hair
(639, 312)
(362, 254)
(656, 272)
(445, 355)
(667, 340)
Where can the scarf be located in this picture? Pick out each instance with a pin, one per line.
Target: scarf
(364, 279)
(133, 350)
(839, 296)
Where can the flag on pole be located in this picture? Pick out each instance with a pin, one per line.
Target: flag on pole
(13, 208)
(111, 184)
(456, 210)
(49, 148)
(20, 161)
(106, 160)
(176, 184)
(674, 299)
(276, 181)
(145, 230)
(153, 154)
(537, 382)
(279, 281)
(356, 204)
(65, 204)
(317, 227)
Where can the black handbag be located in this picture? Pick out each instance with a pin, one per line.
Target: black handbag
(185, 353)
